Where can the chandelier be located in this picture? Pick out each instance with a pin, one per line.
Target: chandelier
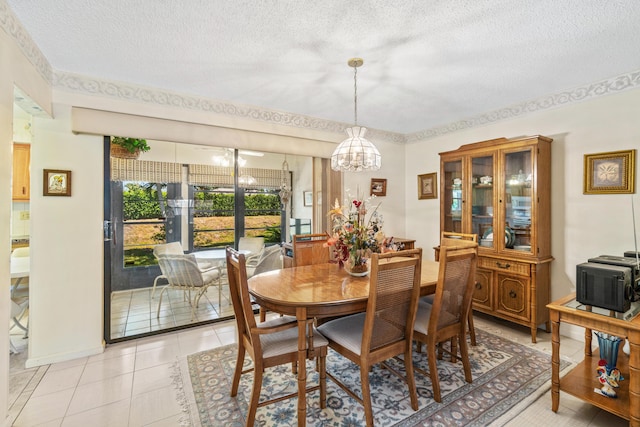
(356, 153)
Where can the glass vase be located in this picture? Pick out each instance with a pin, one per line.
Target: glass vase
(356, 266)
(609, 345)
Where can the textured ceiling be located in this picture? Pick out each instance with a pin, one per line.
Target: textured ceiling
(427, 63)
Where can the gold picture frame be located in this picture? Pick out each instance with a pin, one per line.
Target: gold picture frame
(378, 187)
(428, 186)
(56, 182)
(610, 173)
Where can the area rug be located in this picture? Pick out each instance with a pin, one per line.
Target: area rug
(507, 377)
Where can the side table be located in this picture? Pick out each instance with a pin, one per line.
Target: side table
(581, 380)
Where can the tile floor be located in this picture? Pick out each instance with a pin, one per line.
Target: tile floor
(135, 312)
(130, 384)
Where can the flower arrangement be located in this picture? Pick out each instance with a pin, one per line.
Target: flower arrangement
(355, 237)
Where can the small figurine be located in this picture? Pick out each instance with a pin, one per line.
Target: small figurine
(608, 380)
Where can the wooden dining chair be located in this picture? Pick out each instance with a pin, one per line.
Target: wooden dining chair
(385, 330)
(268, 344)
(310, 249)
(446, 318)
(448, 238)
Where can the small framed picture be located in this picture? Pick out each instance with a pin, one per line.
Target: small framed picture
(378, 187)
(427, 186)
(308, 198)
(610, 173)
(56, 182)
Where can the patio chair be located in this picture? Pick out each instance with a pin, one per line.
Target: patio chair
(175, 248)
(182, 272)
(385, 330)
(254, 247)
(446, 318)
(270, 343)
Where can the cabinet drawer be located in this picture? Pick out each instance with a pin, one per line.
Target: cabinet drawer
(507, 266)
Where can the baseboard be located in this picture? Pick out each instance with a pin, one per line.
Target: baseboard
(63, 357)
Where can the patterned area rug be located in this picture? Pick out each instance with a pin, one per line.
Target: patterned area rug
(506, 378)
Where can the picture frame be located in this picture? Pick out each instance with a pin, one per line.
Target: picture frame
(428, 186)
(610, 173)
(307, 198)
(56, 182)
(378, 187)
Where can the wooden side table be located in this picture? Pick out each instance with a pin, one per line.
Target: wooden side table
(582, 380)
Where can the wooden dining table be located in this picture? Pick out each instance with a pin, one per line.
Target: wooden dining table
(315, 292)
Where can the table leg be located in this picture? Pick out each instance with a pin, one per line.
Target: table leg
(634, 378)
(301, 316)
(555, 360)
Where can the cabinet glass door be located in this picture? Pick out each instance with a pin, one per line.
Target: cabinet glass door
(452, 194)
(517, 182)
(482, 199)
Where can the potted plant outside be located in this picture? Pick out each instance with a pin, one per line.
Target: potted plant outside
(128, 148)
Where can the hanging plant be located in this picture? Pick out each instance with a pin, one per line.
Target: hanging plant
(128, 148)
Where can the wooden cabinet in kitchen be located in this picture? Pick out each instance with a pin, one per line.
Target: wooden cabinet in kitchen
(500, 190)
(21, 180)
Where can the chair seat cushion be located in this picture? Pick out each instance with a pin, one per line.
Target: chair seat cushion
(346, 331)
(424, 314)
(286, 341)
(210, 275)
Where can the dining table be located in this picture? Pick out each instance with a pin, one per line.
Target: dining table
(19, 270)
(319, 291)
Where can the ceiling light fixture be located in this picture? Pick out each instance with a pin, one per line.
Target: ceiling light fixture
(356, 153)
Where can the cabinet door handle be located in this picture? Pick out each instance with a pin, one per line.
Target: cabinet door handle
(478, 285)
(512, 294)
(501, 265)
(24, 190)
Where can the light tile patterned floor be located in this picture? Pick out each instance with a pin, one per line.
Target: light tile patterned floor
(130, 385)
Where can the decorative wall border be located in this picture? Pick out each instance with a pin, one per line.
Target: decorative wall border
(10, 24)
(87, 85)
(581, 93)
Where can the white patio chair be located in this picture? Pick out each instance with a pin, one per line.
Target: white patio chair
(254, 247)
(175, 248)
(182, 272)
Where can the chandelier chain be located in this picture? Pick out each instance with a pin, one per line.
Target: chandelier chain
(355, 95)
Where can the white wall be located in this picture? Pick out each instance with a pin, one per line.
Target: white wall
(66, 303)
(582, 226)
(15, 69)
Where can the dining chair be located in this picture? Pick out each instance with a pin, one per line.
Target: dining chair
(254, 247)
(310, 249)
(175, 248)
(182, 273)
(268, 344)
(449, 238)
(446, 318)
(385, 330)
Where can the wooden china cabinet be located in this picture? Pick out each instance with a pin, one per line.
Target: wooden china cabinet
(500, 190)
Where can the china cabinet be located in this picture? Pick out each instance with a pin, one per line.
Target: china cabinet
(21, 159)
(500, 190)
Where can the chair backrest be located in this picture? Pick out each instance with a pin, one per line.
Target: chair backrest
(394, 289)
(454, 291)
(271, 260)
(20, 252)
(241, 300)
(310, 249)
(180, 270)
(254, 245)
(172, 248)
(449, 238)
